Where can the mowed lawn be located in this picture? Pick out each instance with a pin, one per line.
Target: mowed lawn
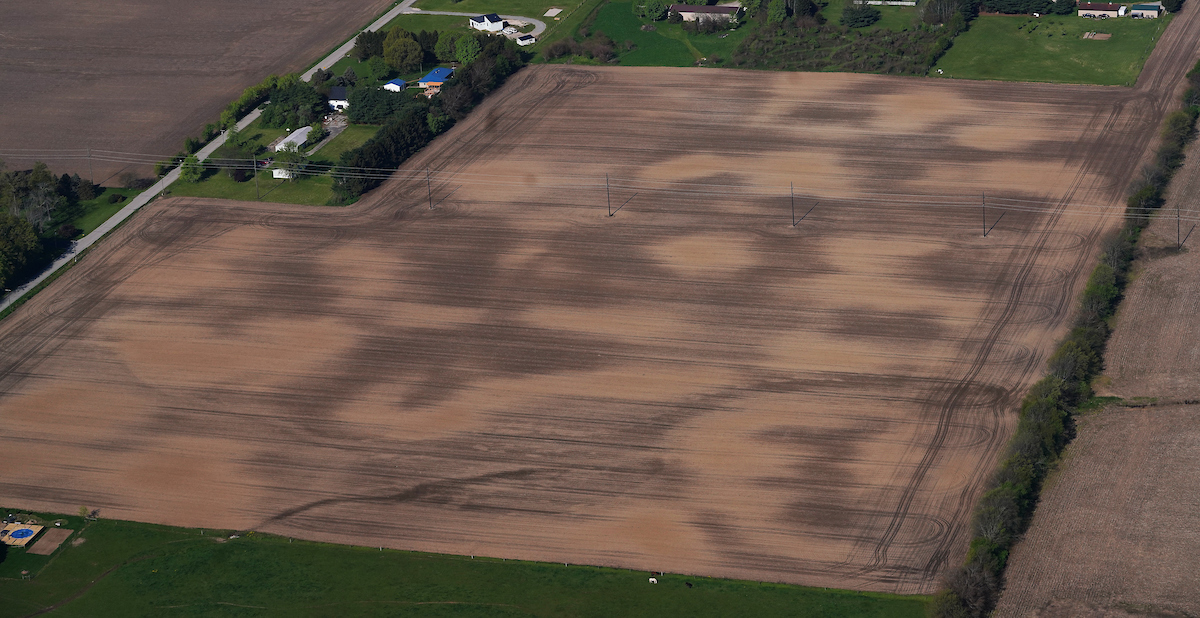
(352, 137)
(526, 8)
(307, 190)
(668, 45)
(165, 571)
(97, 211)
(1052, 49)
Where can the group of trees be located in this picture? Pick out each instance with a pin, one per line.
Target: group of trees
(405, 51)
(1044, 429)
(413, 122)
(294, 105)
(36, 211)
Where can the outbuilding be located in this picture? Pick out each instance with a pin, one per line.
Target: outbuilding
(488, 23)
(337, 98)
(1100, 9)
(297, 137)
(436, 77)
(692, 12)
(1146, 11)
(396, 85)
(526, 39)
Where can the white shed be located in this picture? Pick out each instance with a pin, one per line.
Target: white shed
(396, 85)
(297, 137)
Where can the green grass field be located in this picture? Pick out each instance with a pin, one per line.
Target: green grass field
(668, 45)
(1052, 49)
(412, 23)
(891, 17)
(527, 8)
(98, 210)
(308, 190)
(354, 136)
(147, 570)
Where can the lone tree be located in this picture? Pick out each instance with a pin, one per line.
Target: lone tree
(190, 170)
(402, 52)
(467, 49)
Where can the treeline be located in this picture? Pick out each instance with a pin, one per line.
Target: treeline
(793, 35)
(36, 213)
(415, 124)
(1045, 426)
(407, 51)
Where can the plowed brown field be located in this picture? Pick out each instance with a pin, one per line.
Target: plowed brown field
(691, 385)
(1117, 528)
(140, 76)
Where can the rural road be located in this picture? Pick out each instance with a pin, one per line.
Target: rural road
(406, 8)
(144, 198)
(136, 203)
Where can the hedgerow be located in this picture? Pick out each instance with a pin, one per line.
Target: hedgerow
(1045, 425)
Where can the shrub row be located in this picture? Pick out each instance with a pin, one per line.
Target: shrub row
(415, 125)
(1045, 425)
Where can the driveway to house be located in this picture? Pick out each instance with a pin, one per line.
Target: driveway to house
(406, 8)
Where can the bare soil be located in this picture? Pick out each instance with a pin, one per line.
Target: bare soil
(137, 76)
(1118, 529)
(692, 385)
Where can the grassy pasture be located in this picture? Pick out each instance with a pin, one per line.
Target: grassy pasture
(159, 570)
(667, 45)
(308, 190)
(354, 136)
(1052, 49)
(97, 210)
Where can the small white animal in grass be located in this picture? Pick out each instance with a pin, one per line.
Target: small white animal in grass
(654, 580)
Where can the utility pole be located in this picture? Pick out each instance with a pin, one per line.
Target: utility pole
(91, 176)
(254, 162)
(608, 195)
(429, 188)
(1178, 243)
(792, 190)
(984, 214)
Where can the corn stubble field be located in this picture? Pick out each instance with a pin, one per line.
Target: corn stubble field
(692, 385)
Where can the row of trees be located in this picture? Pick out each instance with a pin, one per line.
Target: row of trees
(1004, 512)
(36, 211)
(406, 51)
(416, 122)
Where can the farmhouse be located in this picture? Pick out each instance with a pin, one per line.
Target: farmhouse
(690, 12)
(337, 98)
(436, 77)
(297, 137)
(1099, 9)
(1145, 11)
(396, 85)
(488, 23)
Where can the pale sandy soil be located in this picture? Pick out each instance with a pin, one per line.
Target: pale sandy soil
(693, 385)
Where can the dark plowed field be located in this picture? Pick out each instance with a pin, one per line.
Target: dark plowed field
(691, 385)
(139, 76)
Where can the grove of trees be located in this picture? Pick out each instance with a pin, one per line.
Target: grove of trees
(36, 213)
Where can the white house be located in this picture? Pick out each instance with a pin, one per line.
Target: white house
(297, 137)
(396, 85)
(692, 12)
(488, 23)
(526, 40)
(337, 98)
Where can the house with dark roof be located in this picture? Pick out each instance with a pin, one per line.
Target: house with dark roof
(488, 23)
(338, 99)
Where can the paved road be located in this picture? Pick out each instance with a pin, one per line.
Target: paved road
(136, 203)
(406, 8)
(149, 194)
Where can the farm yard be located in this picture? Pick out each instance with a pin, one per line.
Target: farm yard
(694, 384)
(140, 77)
